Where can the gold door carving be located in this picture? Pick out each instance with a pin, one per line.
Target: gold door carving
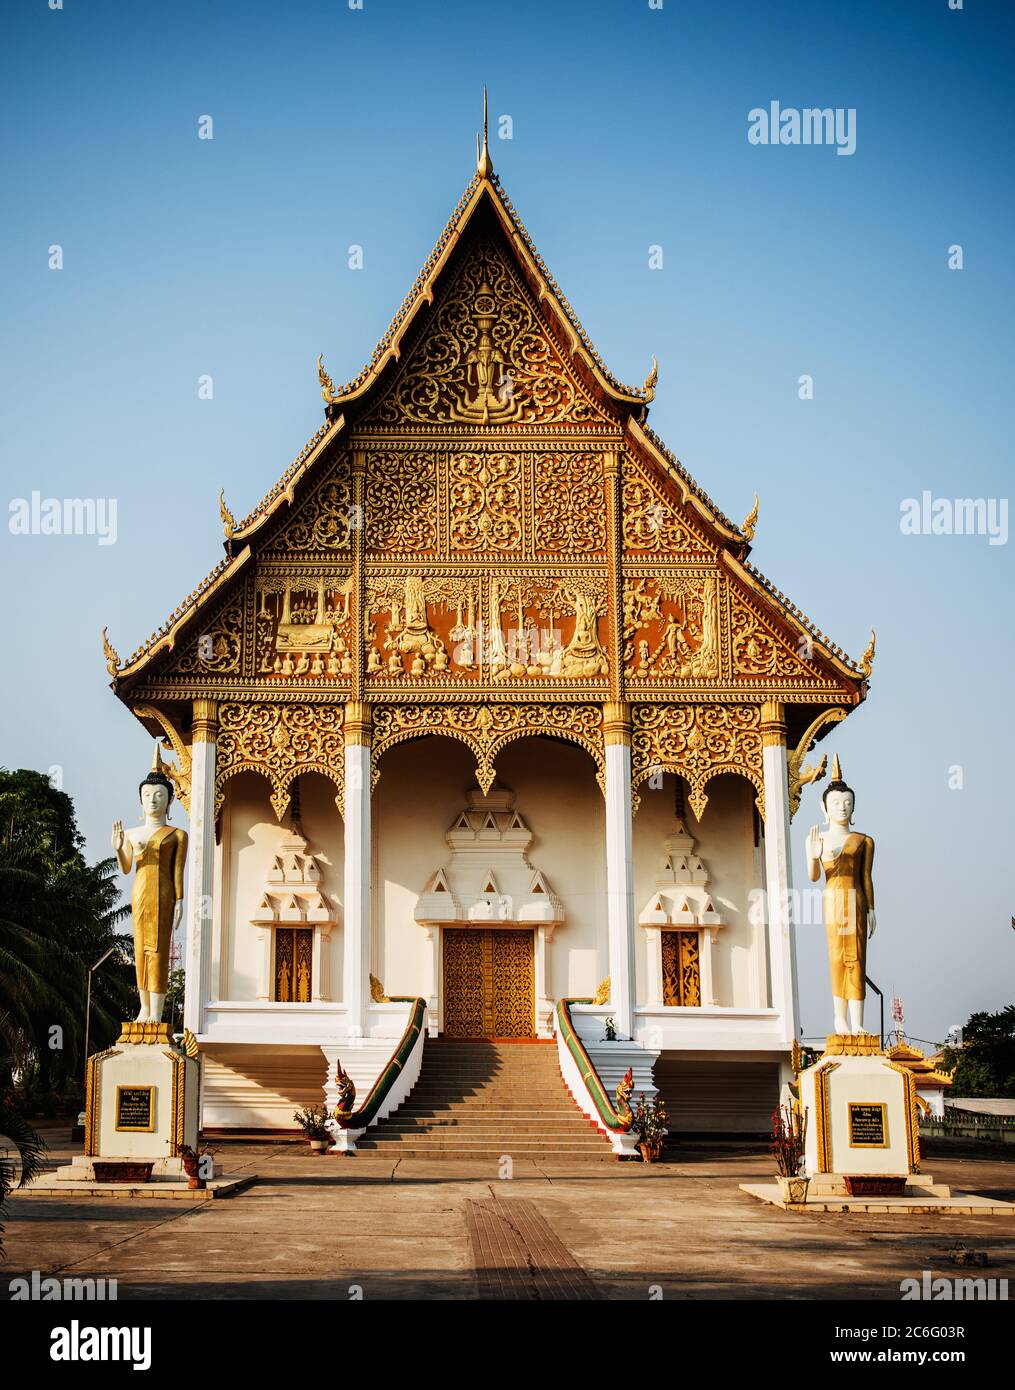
(681, 968)
(294, 957)
(488, 984)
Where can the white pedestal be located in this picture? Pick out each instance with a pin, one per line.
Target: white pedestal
(142, 1098)
(861, 1112)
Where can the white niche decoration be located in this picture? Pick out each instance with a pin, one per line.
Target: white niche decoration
(680, 901)
(489, 882)
(292, 897)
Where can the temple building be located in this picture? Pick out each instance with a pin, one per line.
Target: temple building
(486, 706)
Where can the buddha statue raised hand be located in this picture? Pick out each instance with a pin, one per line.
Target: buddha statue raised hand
(847, 858)
(158, 852)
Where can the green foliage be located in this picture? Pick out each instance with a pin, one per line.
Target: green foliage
(985, 1063)
(58, 915)
(313, 1122)
(175, 996)
(24, 1165)
(649, 1119)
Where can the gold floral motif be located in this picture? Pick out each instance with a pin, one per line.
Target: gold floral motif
(758, 650)
(401, 501)
(280, 742)
(486, 729)
(570, 504)
(217, 647)
(698, 742)
(323, 521)
(651, 522)
(488, 984)
(502, 358)
(486, 502)
(800, 774)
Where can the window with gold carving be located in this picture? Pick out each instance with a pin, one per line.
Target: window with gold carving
(681, 973)
(294, 957)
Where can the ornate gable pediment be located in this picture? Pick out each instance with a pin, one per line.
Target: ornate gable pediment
(486, 357)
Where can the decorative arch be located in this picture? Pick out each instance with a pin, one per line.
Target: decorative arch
(486, 729)
(280, 742)
(698, 743)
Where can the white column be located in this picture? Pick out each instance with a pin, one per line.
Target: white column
(778, 869)
(356, 907)
(200, 863)
(619, 866)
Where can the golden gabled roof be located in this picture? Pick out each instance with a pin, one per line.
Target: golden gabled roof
(421, 293)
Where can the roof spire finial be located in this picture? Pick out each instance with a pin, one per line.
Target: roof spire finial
(484, 164)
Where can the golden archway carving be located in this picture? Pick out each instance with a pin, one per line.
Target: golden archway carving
(698, 743)
(486, 729)
(280, 742)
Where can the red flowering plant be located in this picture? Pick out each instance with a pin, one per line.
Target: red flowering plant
(789, 1131)
(649, 1120)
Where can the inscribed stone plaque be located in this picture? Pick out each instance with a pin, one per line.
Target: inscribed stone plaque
(135, 1108)
(868, 1126)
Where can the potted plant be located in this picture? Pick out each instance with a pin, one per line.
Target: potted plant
(789, 1130)
(314, 1124)
(650, 1126)
(198, 1164)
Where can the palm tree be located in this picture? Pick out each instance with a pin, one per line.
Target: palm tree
(22, 1167)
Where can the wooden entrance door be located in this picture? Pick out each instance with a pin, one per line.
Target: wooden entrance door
(488, 984)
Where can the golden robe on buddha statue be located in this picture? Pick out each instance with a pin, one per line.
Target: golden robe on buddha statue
(849, 894)
(158, 887)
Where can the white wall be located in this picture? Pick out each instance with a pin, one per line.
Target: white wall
(420, 793)
(724, 839)
(251, 837)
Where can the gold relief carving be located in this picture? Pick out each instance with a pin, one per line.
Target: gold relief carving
(323, 520)
(534, 642)
(800, 774)
(488, 984)
(681, 969)
(486, 502)
(419, 626)
(602, 994)
(401, 501)
(216, 647)
(671, 627)
(912, 1113)
(303, 628)
(377, 995)
(294, 955)
(486, 729)
(280, 742)
(698, 742)
(757, 649)
(486, 358)
(570, 504)
(823, 1115)
(651, 521)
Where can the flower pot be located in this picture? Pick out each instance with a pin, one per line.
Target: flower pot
(123, 1172)
(192, 1168)
(651, 1153)
(318, 1146)
(794, 1190)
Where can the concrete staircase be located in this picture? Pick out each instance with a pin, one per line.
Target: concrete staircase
(480, 1099)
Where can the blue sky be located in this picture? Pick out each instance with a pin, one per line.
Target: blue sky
(335, 126)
